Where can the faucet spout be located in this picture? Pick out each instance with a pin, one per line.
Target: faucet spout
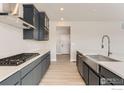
(102, 46)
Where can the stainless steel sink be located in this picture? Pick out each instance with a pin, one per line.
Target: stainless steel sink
(102, 58)
(90, 60)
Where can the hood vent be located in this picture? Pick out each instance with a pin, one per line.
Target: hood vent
(9, 14)
(9, 9)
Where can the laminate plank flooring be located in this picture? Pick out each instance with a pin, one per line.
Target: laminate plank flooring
(62, 72)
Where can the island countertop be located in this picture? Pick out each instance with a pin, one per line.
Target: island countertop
(115, 67)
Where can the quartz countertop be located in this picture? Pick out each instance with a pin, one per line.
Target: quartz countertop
(6, 71)
(115, 67)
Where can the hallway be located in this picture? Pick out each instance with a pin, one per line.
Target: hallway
(62, 72)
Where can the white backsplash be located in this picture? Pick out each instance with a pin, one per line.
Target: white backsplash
(11, 42)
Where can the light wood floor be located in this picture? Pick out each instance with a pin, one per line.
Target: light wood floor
(62, 72)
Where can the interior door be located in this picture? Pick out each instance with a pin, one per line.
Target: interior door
(63, 45)
(63, 40)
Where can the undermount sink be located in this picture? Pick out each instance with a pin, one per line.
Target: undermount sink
(102, 58)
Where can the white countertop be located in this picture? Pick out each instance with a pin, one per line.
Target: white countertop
(115, 67)
(6, 71)
(95, 52)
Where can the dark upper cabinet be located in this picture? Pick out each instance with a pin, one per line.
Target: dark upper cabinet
(28, 10)
(38, 19)
(44, 20)
(30, 15)
(43, 34)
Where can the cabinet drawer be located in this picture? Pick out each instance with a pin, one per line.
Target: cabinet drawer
(110, 76)
(12, 80)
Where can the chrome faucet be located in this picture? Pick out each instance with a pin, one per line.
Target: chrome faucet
(102, 46)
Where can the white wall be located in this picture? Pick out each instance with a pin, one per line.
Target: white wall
(84, 35)
(11, 42)
(87, 36)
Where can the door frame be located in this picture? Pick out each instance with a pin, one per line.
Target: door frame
(69, 40)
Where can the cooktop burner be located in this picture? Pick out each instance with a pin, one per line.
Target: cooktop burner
(17, 59)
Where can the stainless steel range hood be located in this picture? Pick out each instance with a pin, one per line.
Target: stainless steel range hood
(10, 14)
(9, 9)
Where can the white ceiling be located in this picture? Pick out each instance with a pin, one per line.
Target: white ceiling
(83, 11)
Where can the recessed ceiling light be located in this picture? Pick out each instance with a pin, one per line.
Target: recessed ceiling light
(62, 18)
(61, 9)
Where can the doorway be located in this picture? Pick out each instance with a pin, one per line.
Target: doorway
(63, 43)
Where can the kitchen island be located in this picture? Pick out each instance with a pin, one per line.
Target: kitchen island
(96, 72)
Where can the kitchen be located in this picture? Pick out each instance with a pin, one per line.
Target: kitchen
(28, 52)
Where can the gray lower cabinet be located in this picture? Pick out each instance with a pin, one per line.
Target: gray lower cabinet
(31, 74)
(12, 80)
(104, 77)
(28, 79)
(94, 79)
(37, 74)
(109, 78)
(45, 65)
(33, 77)
(86, 73)
(79, 63)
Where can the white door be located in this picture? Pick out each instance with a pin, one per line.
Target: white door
(63, 42)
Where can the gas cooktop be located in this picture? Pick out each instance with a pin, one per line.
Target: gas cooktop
(17, 59)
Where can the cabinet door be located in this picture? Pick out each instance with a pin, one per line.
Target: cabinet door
(110, 77)
(93, 78)
(42, 68)
(43, 24)
(45, 65)
(12, 80)
(29, 67)
(85, 73)
(81, 70)
(33, 77)
(31, 16)
(37, 74)
(28, 79)
(79, 62)
(27, 33)
(28, 17)
(28, 10)
(36, 24)
(48, 61)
